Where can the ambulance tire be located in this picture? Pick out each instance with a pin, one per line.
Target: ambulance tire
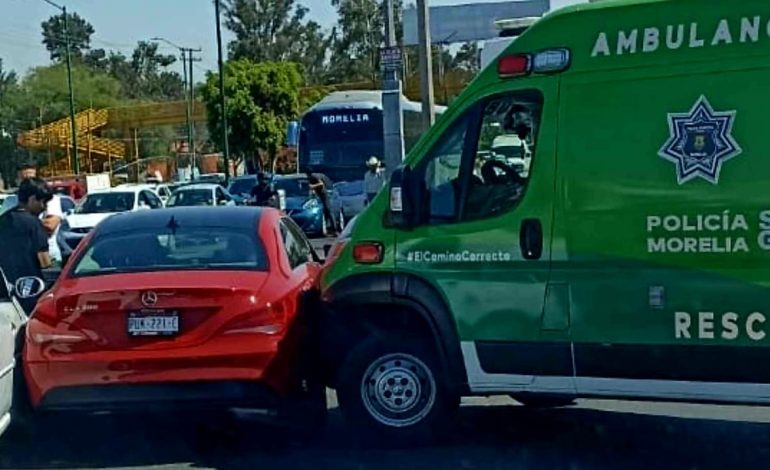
(395, 391)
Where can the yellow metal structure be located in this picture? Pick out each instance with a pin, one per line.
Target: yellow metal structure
(57, 136)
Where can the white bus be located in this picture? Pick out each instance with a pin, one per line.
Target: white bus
(341, 132)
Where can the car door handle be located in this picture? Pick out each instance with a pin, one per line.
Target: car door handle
(531, 239)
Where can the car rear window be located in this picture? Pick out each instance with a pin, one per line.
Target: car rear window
(194, 248)
(191, 197)
(105, 203)
(242, 185)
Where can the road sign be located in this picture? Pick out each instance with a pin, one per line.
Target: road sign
(390, 58)
(474, 21)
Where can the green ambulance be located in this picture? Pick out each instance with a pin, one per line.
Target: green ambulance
(631, 260)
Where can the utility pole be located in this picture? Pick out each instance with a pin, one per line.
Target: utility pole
(190, 61)
(393, 123)
(186, 108)
(426, 65)
(73, 124)
(222, 102)
(189, 91)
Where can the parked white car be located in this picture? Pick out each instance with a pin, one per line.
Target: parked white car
(202, 194)
(99, 205)
(12, 319)
(161, 189)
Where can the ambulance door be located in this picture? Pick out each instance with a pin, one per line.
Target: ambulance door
(485, 238)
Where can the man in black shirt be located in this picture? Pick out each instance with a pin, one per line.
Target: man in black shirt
(263, 191)
(318, 183)
(25, 241)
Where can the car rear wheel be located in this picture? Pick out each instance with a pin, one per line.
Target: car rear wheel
(395, 389)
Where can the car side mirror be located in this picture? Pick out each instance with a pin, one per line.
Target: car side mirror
(29, 287)
(403, 198)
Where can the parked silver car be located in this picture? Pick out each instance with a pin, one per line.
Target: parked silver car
(12, 319)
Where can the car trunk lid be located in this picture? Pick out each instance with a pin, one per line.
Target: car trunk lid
(136, 311)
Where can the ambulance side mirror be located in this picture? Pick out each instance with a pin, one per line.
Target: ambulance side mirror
(402, 189)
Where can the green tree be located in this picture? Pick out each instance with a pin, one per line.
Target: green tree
(468, 58)
(147, 78)
(276, 31)
(143, 76)
(358, 37)
(261, 99)
(44, 93)
(8, 152)
(80, 36)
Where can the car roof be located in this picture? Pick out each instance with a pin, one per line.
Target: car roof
(121, 189)
(293, 176)
(209, 186)
(231, 217)
(139, 185)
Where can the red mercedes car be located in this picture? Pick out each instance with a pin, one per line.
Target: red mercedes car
(188, 308)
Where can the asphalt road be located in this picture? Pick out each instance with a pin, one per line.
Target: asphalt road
(489, 433)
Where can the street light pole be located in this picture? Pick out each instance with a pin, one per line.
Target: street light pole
(186, 108)
(392, 111)
(426, 65)
(75, 159)
(222, 103)
(74, 128)
(187, 70)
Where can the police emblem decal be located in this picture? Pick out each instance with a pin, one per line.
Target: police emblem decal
(700, 142)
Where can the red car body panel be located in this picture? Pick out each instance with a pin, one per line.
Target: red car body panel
(234, 326)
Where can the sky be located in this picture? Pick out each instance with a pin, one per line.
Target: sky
(120, 24)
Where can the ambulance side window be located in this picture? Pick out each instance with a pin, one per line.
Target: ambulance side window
(504, 154)
(441, 179)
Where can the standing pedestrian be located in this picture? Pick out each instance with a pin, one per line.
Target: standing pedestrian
(25, 241)
(374, 178)
(51, 218)
(318, 184)
(263, 191)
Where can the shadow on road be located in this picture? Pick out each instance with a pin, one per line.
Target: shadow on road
(484, 437)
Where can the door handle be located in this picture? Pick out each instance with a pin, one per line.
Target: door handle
(531, 239)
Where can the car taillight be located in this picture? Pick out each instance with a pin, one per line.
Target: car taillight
(368, 252)
(45, 310)
(269, 320)
(47, 325)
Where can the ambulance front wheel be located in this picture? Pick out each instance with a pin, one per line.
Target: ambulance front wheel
(395, 389)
